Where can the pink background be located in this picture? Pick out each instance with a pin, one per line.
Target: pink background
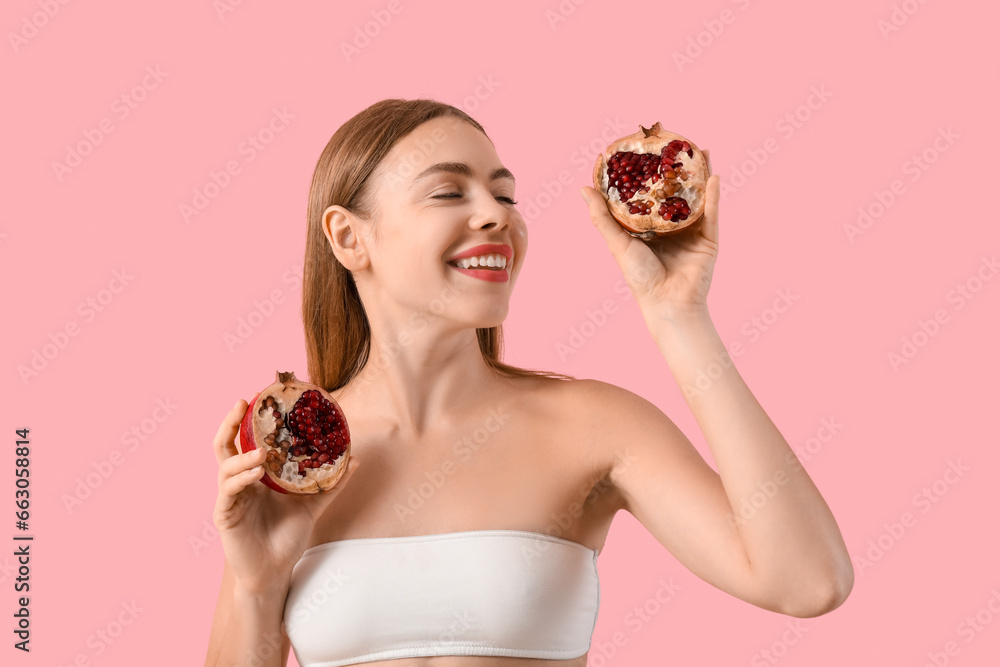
(550, 89)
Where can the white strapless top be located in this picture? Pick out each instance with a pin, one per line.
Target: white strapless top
(480, 592)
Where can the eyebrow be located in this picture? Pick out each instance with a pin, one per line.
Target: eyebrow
(462, 169)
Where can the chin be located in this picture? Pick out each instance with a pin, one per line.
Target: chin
(488, 320)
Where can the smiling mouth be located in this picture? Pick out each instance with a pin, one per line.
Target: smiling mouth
(501, 262)
(478, 268)
(490, 274)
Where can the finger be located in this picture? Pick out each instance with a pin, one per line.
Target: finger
(240, 463)
(708, 161)
(615, 236)
(225, 438)
(233, 486)
(710, 221)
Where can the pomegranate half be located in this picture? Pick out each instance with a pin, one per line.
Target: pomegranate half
(304, 432)
(654, 182)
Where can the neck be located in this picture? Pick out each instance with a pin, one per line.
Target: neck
(432, 381)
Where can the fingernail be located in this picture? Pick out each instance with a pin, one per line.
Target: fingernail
(583, 193)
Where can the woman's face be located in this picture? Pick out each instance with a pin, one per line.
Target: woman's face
(442, 190)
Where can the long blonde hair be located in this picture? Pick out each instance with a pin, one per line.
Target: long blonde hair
(338, 337)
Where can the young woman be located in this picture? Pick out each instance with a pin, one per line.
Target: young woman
(485, 492)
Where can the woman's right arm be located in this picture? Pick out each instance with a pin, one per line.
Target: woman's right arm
(264, 533)
(247, 625)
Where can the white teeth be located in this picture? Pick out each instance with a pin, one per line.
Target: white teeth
(495, 260)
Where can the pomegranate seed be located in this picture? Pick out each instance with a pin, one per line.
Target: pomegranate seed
(674, 209)
(315, 425)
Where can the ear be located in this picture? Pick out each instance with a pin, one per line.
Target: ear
(347, 236)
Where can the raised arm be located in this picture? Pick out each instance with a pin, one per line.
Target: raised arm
(759, 528)
(785, 553)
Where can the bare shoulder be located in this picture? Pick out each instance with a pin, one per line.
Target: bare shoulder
(620, 428)
(601, 405)
(598, 415)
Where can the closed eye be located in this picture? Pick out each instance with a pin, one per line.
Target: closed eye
(449, 195)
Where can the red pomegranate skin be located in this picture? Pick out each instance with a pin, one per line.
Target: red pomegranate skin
(311, 415)
(247, 443)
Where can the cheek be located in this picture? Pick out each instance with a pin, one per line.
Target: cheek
(521, 240)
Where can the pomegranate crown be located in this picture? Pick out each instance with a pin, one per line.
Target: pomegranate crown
(655, 129)
(285, 378)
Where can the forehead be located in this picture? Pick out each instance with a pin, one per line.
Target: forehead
(443, 139)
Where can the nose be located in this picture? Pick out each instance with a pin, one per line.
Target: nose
(491, 214)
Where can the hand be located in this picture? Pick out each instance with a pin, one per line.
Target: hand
(671, 270)
(264, 532)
